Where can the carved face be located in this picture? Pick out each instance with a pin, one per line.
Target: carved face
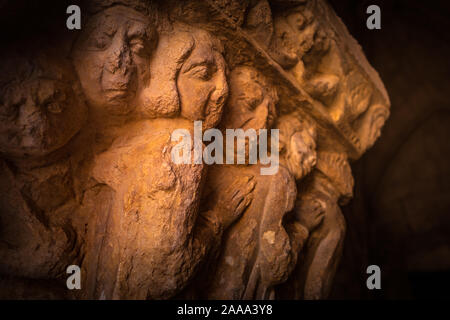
(252, 101)
(302, 22)
(370, 125)
(358, 95)
(39, 115)
(298, 145)
(112, 58)
(188, 78)
(301, 154)
(202, 84)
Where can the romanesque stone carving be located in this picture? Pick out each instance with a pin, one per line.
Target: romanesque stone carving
(86, 144)
(112, 58)
(42, 109)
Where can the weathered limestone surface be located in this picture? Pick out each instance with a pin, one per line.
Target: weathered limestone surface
(85, 142)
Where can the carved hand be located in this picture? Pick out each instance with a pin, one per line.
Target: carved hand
(309, 211)
(235, 199)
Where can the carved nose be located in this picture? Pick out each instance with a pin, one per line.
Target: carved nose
(262, 114)
(220, 93)
(32, 122)
(119, 59)
(272, 113)
(313, 160)
(29, 110)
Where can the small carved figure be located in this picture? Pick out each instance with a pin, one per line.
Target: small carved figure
(329, 185)
(258, 253)
(41, 112)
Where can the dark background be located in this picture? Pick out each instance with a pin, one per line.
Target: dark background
(400, 216)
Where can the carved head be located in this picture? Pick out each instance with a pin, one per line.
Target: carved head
(358, 95)
(188, 78)
(41, 106)
(304, 28)
(112, 58)
(370, 124)
(252, 102)
(363, 109)
(297, 144)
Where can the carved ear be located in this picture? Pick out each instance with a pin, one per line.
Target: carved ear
(160, 98)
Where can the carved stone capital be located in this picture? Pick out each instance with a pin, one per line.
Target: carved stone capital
(88, 144)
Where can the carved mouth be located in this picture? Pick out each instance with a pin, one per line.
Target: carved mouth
(117, 93)
(270, 120)
(255, 123)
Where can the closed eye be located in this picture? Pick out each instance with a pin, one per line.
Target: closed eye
(99, 42)
(251, 104)
(137, 46)
(9, 111)
(202, 71)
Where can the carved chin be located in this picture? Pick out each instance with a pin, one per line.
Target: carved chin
(214, 114)
(300, 167)
(296, 169)
(116, 102)
(115, 97)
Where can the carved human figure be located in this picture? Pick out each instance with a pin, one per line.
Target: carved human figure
(304, 39)
(297, 145)
(112, 57)
(258, 252)
(329, 185)
(252, 102)
(328, 73)
(298, 158)
(288, 34)
(154, 241)
(41, 112)
(41, 107)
